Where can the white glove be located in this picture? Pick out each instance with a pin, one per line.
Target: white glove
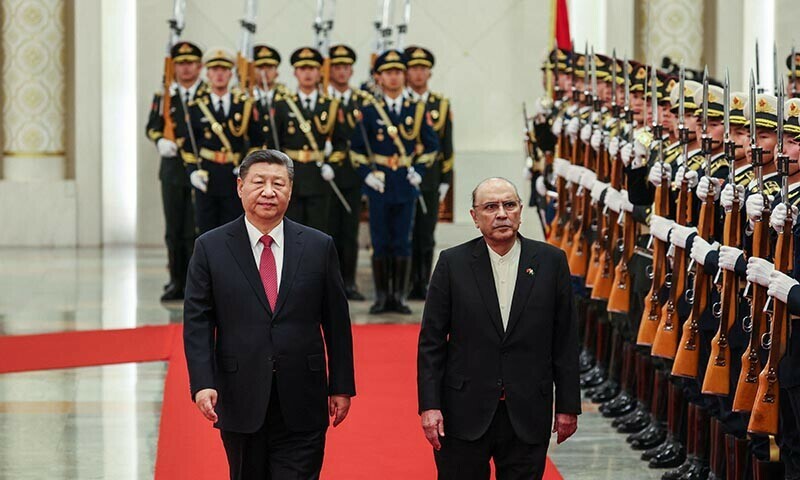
(199, 179)
(572, 127)
(527, 174)
(726, 197)
(657, 172)
(626, 154)
(613, 146)
(327, 172)
(680, 234)
(540, 186)
(624, 203)
(375, 183)
(558, 124)
(704, 184)
(728, 256)
(639, 149)
(779, 285)
(660, 227)
(586, 133)
(328, 148)
(413, 177)
(754, 206)
(701, 248)
(691, 176)
(613, 199)
(574, 173)
(778, 216)
(560, 167)
(759, 270)
(597, 190)
(542, 107)
(167, 148)
(587, 179)
(445, 187)
(596, 140)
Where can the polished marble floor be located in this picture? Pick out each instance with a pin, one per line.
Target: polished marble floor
(102, 422)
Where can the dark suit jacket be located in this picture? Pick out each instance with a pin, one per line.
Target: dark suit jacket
(233, 341)
(466, 360)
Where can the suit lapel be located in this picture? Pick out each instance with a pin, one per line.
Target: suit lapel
(482, 268)
(525, 281)
(293, 252)
(239, 245)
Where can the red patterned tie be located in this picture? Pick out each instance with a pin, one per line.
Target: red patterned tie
(268, 272)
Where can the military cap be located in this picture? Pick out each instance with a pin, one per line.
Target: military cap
(218, 57)
(602, 65)
(390, 59)
(737, 105)
(715, 95)
(659, 85)
(185, 52)
(342, 54)
(796, 64)
(791, 116)
(766, 111)
(265, 55)
(668, 83)
(306, 57)
(419, 56)
(579, 64)
(689, 87)
(638, 76)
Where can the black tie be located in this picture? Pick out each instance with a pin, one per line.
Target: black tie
(187, 97)
(220, 110)
(308, 104)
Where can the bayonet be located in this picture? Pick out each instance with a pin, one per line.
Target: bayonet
(775, 68)
(386, 26)
(794, 73)
(755, 150)
(758, 72)
(403, 27)
(244, 63)
(614, 66)
(730, 146)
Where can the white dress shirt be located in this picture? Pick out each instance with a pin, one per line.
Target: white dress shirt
(343, 97)
(191, 90)
(277, 246)
(226, 102)
(504, 270)
(311, 96)
(419, 97)
(394, 105)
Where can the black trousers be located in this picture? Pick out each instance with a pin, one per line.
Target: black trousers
(179, 235)
(274, 452)
(469, 460)
(310, 210)
(343, 227)
(423, 241)
(213, 211)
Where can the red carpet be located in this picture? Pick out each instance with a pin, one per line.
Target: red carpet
(381, 438)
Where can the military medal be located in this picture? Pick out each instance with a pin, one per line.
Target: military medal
(409, 121)
(237, 116)
(379, 136)
(290, 129)
(323, 116)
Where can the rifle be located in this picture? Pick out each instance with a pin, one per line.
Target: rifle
(176, 24)
(687, 359)
(625, 230)
(531, 152)
(764, 416)
(245, 70)
(755, 324)
(604, 277)
(717, 377)
(402, 29)
(578, 258)
(651, 316)
(322, 29)
(556, 237)
(575, 154)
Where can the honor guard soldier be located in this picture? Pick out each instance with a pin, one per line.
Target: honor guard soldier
(393, 146)
(266, 61)
(222, 131)
(304, 122)
(343, 225)
(438, 175)
(176, 191)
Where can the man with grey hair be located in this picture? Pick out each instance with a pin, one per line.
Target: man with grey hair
(265, 303)
(499, 331)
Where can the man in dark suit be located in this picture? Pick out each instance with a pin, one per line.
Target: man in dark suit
(498, 331)
(264, 302)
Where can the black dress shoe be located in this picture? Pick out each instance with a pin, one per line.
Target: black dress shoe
(168, 285)
(671, 456)
(649, 439)
(402, 308)
(638, 422)
(593, 378)
(698, 470)
(585, 361)
(620, 405)
(172, 294)
(683, 469)
(352, 293)
(628, 416)
(605, 392)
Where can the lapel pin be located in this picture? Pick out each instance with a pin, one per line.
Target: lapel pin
(529, 271)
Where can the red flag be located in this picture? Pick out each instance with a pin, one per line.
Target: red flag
(562, 36)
